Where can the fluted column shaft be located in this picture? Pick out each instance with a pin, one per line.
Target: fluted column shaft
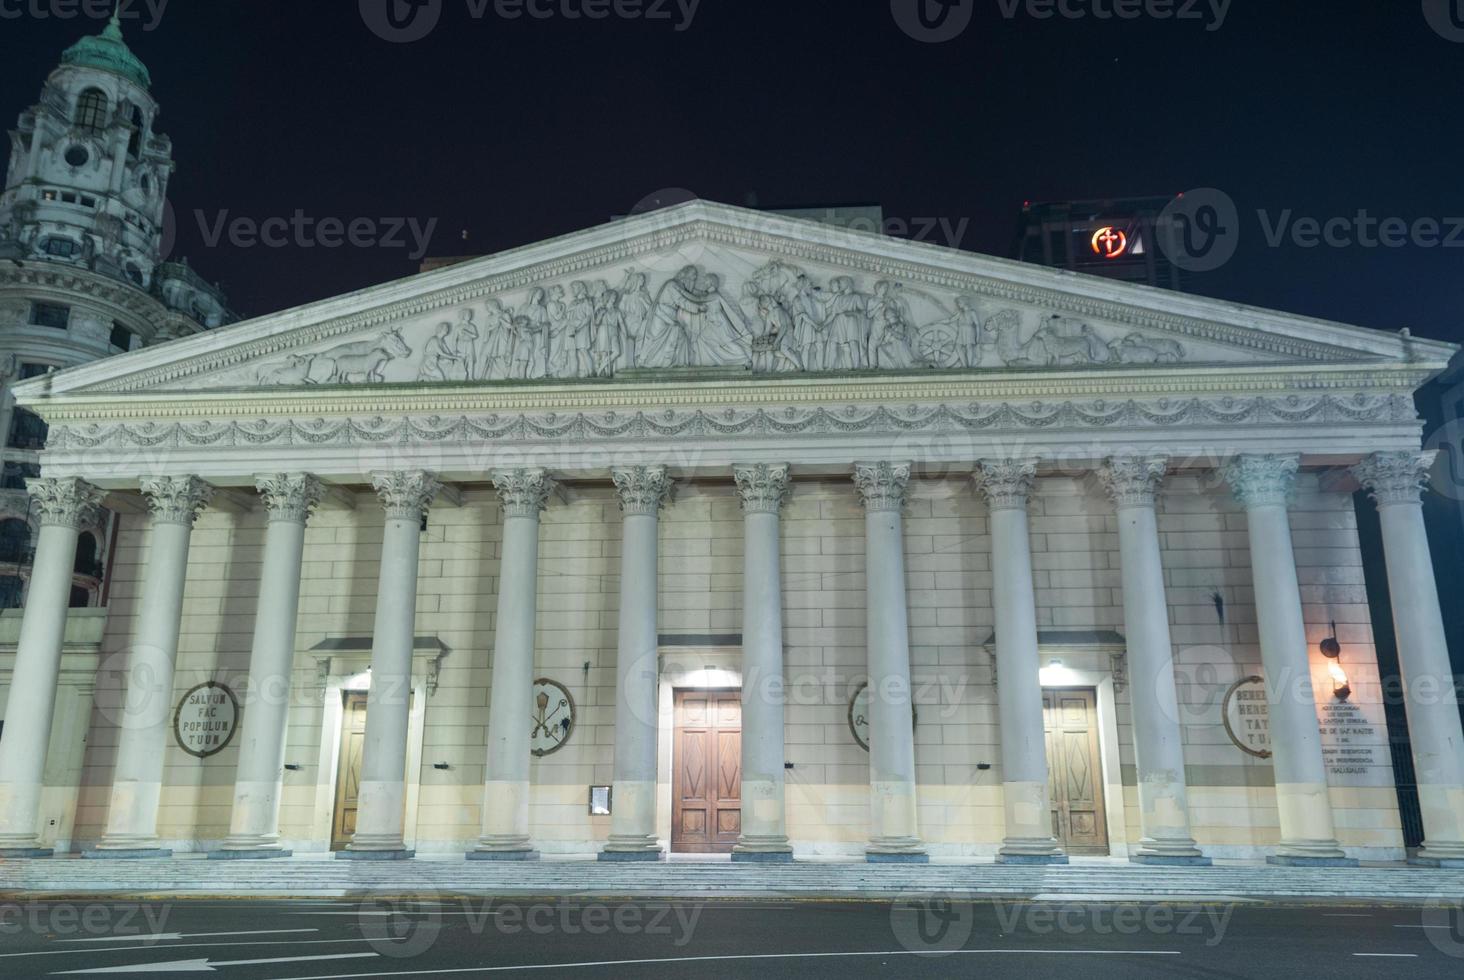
(137, 776)
(1006, 485)
(643, 491)
(894, 829)
(65, 507)
(1132, 484)
(762, 490)
(254, 826)
(523, 494)
(1434, 729)
(406, 497)
(1308, 832)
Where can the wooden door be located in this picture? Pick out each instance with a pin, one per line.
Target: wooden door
(348, 770)
(1074, 772)
(706, 766)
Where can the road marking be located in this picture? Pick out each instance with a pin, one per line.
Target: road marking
(133, 949)
(747, 956)
(1399, 956)
(1346, 915)
(1426, 925)
(182, 935)
(399, 912)
(199, 966)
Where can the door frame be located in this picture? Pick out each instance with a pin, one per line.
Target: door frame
(1093, 669)
(685, 668)
(711, 775)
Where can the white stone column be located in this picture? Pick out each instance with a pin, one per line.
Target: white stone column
(405, 496)
(1006, 484)
(764, 838)
(1132, 484)
(1434, 730)
(643, 491)
(523, 494)
(254, 828)
(894, 829)
(65, 507)
(1308, 835)
(137, 776)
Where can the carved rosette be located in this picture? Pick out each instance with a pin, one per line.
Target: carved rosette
(69, 503)
(763, 489)
(406, 494)
(1133, 481)
(1005, 483)
(1395, 478)
(523, 493)
(882, 485)
(1258, 481)
(642, 489)
(289, 496)
(176, 499)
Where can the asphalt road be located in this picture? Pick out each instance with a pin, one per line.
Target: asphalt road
(583, 938)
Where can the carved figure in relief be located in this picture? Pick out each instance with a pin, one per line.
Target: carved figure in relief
(1138, 349)
(552, 317)
(359, 363)
(668, 339)
(538, 333)
(848, 324)
(498, 343)
(890, 326)
(439, 363)
(635, 311)
(527, 347)
(772, 347)
(607, 333)
(808, 325)
(723, 335)
(467, 346)
(1070, 341)
(579, 322)
(295, 371)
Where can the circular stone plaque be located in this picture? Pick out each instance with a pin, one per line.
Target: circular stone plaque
(1247, 717)
(206, 719)
(859, 716)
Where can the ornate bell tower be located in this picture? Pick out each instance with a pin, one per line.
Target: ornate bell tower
(85, 231)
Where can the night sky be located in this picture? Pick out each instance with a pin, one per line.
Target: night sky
(518, 130)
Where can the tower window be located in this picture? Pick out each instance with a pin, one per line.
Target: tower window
(76, 155)
(30, 369)
(27, 430)
(51, 314)
(62, 248)
(91, 110)
(121, 337)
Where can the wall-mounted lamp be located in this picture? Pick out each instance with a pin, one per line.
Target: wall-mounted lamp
(294, 766)
(1332, 650)
(441, 765)
(1055, 663)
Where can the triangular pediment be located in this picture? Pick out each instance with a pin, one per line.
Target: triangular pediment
(709, 290)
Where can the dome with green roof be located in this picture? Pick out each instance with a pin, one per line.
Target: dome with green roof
(108, 52)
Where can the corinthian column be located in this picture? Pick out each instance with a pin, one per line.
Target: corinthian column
(643, 491)
(1006, 484)
(1308, 834)
(254, 828)
(894, 830)
(66, 506)
(137, 777)
(1132, 484)
(1395, 480)
(405, 496)
(523, 494)
(762, 490)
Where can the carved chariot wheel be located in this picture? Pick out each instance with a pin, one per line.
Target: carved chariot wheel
(939, 346)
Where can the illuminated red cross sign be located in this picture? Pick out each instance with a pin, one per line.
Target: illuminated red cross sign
(1109, 242)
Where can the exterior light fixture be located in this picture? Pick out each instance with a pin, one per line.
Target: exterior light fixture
(1055, 663)
(1332, 650)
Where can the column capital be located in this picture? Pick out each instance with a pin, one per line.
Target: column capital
(1133, 481)
(406, 494)
(642, 489)
(1395, 478)
(882, 485)
(289, 496)
(1260, 480)
(1005, 483)
(67, 502)
(523, 492)
(176, 499)
(762, 488)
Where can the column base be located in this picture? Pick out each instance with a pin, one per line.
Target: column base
(624, 856)
(1172, 860)
(128, 853)
(503, 855)
(12, 853)
(261, 854)
(398, 855)
(1300, 861)
(762, 857)
(896, 857)
(1031, 850)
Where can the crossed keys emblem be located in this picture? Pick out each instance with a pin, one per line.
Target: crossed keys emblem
(553, 723)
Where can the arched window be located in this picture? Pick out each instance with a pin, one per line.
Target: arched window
(134, 145)
(91, 110)
(86, 556)
(14, 539)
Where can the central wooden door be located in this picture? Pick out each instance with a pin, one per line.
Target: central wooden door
(1074, 772)
(348, 770)
(706, 767)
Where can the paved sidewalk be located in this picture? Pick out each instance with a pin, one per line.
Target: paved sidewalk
(190, 876)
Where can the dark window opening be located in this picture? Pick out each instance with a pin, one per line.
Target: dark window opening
(27, 430)
(121, 336)
(14, 475)
(88, 562)
(50, 314)
(91, 110)
(62, 248)
(80, 598)
(12, 589)
(31, 369)
(14, 541)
